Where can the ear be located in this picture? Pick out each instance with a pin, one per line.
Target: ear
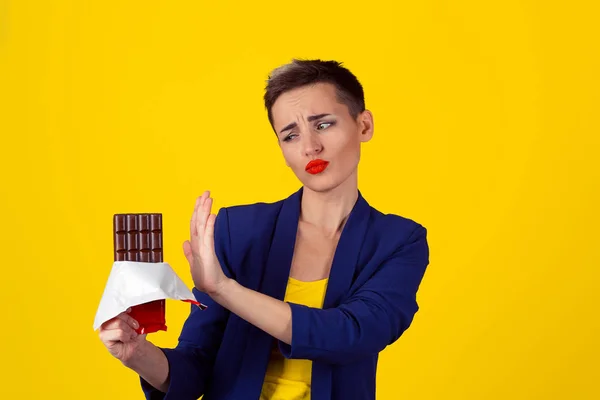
(365, 122)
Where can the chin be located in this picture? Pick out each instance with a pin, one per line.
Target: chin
(320, 183)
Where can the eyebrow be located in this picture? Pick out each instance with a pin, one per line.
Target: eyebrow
(310, 119)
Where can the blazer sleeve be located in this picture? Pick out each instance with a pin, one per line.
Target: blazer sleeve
(372, 318)
(191, 361)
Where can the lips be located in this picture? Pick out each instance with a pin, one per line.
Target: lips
(316, 166)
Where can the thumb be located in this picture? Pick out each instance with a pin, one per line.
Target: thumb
(187, 251)
(140, 338)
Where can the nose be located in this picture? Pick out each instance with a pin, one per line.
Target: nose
(312, 145)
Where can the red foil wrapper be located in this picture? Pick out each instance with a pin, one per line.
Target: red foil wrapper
(150, 316)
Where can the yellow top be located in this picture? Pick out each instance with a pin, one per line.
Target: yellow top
(290, 379)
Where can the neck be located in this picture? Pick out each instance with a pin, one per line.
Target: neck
(329, 210)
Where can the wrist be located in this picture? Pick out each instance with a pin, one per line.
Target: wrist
(138, 356)
(222, 289)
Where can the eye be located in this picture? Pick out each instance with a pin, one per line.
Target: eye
(327, 125)
(289, 137)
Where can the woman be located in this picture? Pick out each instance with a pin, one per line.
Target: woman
(302, 293)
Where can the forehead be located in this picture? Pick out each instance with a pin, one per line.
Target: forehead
(306, 100)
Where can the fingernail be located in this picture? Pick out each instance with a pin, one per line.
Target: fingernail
(135, 324)
(129, 310)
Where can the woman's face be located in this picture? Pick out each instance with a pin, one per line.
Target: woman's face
(312, 125)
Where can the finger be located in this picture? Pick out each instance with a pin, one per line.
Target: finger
(120, 325)
(198, 206)
(209, 204)
(129, 320)
(193, 219)
(110, 324)
(206, 212)
(203, 198)
(209, 236)
(187, 251)
(117, 335)
(202, 217)
(117, 324)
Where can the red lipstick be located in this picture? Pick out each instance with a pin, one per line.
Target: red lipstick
(316, 166)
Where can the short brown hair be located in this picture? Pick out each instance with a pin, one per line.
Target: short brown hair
(299, 73)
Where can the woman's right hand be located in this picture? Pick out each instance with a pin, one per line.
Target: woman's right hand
(120, 338)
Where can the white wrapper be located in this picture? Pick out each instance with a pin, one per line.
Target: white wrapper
(133, 283)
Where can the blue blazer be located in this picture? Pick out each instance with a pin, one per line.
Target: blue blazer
(370, 301)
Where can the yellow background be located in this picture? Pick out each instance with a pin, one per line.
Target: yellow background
(486, 133)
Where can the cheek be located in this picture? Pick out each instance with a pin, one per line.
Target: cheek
(349, 150)
(288, 157)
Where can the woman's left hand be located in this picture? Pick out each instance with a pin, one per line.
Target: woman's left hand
(206, 270)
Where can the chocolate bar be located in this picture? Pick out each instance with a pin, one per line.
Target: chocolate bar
(139, 237)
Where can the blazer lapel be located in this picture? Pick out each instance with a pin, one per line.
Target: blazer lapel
(275, 280)
(344, 264)
(279, 262)
(274, 284)
(346, 254)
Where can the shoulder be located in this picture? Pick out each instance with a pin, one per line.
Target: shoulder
(244, 232)
(395, 231)
(251, 215)
(395, 224)
(253, 211)
(396, 244)
(250, 222)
